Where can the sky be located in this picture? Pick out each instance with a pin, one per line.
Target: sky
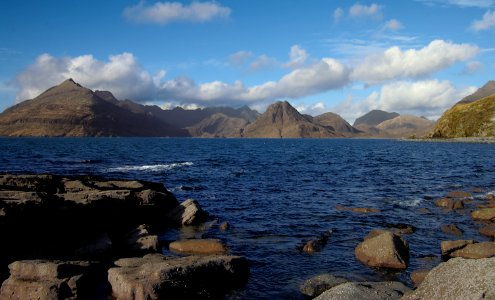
(411, 56)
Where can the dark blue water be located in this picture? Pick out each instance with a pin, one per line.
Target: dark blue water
(278, 193)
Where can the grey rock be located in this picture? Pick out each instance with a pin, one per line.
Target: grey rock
(314, 286)
(458, 278)
(366, 291)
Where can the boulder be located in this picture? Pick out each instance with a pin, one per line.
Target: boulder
(477, 250)
(449, 203)
(316, 245)
(448, 247)
(140, 240)
(365, 291)
(314, 286)
(385, 250)
(488, 230)
(198, 246)
(451, 229)
(188, 212)
(418, 276)
(459, 195)
(156, 277)
(484, 214)
(459, 279)
(42, 279)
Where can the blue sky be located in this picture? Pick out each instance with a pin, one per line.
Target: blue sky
(411, 56)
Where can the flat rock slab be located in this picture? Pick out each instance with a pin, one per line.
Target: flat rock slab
(383, 250)
(475, 251)
(156, 277)
(199, 246)
(448, 247)
(366, 291)
(459, 279)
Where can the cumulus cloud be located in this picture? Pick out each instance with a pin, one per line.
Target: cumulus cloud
(395, 63)
(313, 109)
(338, 14)
(168, 12)
(393, 25)
(487, 22)
(240, 57)
(373, 11)
(297, 56)
(121, 74)
(428, 98)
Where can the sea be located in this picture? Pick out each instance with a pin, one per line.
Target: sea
(278, 193)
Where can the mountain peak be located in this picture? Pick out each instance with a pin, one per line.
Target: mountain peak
(485, 91)
(375, 117)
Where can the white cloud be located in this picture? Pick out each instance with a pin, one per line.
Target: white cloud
(263, 62)
(487, 22)
(297, 56)
(313, 109)
(338, 14)
(393, 25)
(395, 63)
(167, 12)
(422, 98)
(472, 67)
(373, 11)
(240, 57)
(121, 75)
(461, 3)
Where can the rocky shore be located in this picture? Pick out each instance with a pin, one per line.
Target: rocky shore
(85, 237)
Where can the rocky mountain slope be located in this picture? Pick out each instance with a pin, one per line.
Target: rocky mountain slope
(336, 122)
(281, 120)
(405, 126)
(219, 125)
(374, 118)
(485, 91)
(72, 110)
(467, 119)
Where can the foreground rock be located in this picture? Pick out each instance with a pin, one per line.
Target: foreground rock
(418, 276)
(467, 249)
(156, 277)
(316, 285)
(484, 214)
(200, 246)
(458, 279)
(365, 291)
(383, 250)
(188, 212)
(41, 279)
(62, 215)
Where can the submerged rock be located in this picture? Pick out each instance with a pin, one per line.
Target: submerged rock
(459, 279)
(384, 250)
(451, 229)
(199, 246)
(366, 291)
(314, 286)
(43, 279)
(316, 245)
(156, 277)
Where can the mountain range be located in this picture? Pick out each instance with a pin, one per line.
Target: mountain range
(70, 109)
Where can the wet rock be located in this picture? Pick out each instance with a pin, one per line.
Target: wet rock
(484, 214)
(418, 276)
(451, 229)
(488, 230)
(224, 226)
(42, 279)
(198, 246)
(490, 197)
(448, 247)
(357, 209)
(385, 250)
(316, 245)
(156, 277)
(459, 195)
(423, 210)
(449, 203)
(401, 228)
(140, 240)
(366, 291)
(476, 250)
(458, 278)
(314, 286)
(188, 212)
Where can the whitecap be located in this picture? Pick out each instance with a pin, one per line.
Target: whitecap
(407, 203)
(150, 168)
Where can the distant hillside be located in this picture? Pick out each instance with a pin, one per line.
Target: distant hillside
(337, 123)
(72, 110)
(405, 126)
(485, 91)
(281, 120)
(374, 118)
(218, 125)
(471, 119)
